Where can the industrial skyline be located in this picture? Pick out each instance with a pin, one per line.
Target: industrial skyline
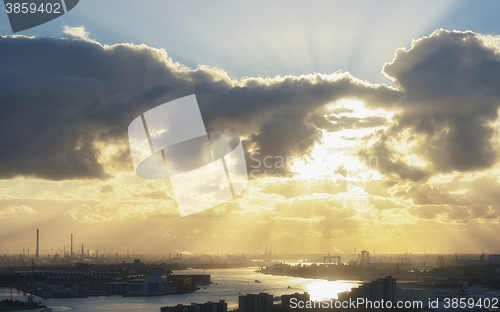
(268, 251)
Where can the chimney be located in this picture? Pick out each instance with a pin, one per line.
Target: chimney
(37, 244)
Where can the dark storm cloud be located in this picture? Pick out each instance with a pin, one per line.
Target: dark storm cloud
(279, 113)
(451, 85)
(61, 96)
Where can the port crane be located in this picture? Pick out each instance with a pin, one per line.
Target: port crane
(261, 267)
(339, 259)
(365, 257)
(440, 261)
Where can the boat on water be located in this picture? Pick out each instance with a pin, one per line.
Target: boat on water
(257, 281)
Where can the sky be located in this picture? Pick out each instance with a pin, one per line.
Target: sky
(368, 125)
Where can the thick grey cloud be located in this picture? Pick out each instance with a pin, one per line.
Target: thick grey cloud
(451, 85)
(61, 96)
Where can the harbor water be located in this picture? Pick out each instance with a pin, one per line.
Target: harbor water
(227, 285)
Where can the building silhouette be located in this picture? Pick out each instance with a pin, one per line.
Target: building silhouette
(285, 299)
(209, 306)
(255, 302)
(381, 289)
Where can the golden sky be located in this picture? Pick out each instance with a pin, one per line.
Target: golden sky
(334, 162)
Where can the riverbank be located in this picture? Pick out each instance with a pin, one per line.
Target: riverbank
(46, 296)
(16, 305)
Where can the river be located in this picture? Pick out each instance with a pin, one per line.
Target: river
(228, 284)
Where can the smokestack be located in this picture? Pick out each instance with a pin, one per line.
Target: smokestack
(71, 249)
(83, 254)
(37, 244)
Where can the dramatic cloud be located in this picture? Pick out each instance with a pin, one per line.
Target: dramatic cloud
(428, 165)
(451, 85)
(76, 32)
(65, 101)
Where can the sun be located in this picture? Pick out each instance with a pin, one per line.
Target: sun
(320, 290)
(337, 155)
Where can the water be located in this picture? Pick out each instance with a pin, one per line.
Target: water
(230, 283)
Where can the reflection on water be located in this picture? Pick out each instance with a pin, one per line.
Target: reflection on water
(230, 283)
(320, 290)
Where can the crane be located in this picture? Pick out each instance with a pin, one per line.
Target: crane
(339, 259)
